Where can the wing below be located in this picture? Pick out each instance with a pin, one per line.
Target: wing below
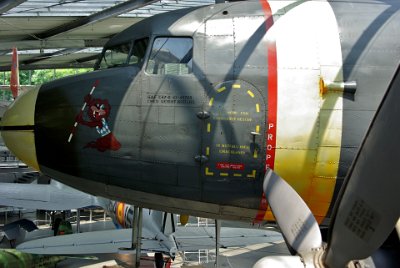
(195, 238)
(109, 241)
(54, 196)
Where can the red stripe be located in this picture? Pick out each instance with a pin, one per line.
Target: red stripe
(272, 104)
(14, 79)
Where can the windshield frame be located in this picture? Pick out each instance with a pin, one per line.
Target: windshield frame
(102, 63)
(151, 49)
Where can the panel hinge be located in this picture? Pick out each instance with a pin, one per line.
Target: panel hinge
(201, 159)
(203, 115)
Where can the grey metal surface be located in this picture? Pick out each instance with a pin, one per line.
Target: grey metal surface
(45, 197)
(370, 56)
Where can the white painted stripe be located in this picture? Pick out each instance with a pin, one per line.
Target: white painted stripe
(308, 126)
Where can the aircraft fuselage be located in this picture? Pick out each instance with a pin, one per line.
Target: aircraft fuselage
(213, 96)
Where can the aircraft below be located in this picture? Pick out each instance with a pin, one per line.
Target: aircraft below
(57, 196)
(11, 258)
(186, 111)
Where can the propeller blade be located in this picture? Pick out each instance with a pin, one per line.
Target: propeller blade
(297, 223)
(368, 206)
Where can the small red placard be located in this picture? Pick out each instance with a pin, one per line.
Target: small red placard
(231, 166)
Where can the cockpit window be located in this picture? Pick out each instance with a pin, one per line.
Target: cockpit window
(115, 56)
(139, 51)
(171, 55)
(124, 54)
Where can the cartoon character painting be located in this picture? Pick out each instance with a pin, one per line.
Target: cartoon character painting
(98, 113)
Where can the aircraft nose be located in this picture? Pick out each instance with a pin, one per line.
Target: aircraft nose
(17, 128)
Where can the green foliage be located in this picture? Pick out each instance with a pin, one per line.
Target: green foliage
(39, 77)
(6, 95)
(4, 78)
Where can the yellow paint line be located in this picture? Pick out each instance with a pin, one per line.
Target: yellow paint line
(255, 154)
(221, 89)
(208, 173)
(258, 108)
(252, 175)
(237, 175)
(223, 174)
(236, 86)
(209, 127)
(210, 103)
(208, 151)
(258, 128)
(250, 93)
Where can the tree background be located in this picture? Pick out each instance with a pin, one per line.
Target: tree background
(39, 77)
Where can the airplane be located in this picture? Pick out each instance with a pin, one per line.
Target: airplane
(10, 258)
(186, 111)
(52, 195)
(57, 196)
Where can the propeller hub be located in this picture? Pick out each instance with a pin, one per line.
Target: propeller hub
(17, 128)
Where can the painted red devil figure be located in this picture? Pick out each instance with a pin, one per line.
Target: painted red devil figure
(97, 113)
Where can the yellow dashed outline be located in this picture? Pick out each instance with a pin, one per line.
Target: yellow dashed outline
(221, 89)
(251, 94)
(255, 154)
(210, 103)
(252, 175)
(208, 173)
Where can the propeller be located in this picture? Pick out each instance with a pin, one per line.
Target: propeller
(368, 206)
(366, 210)
(296, 222)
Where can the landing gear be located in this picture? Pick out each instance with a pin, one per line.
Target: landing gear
(217, 241)
(158, 260)
(56, 224)
(136, 234)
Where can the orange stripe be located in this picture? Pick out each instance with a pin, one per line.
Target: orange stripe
(121, 214)
(272, 104)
